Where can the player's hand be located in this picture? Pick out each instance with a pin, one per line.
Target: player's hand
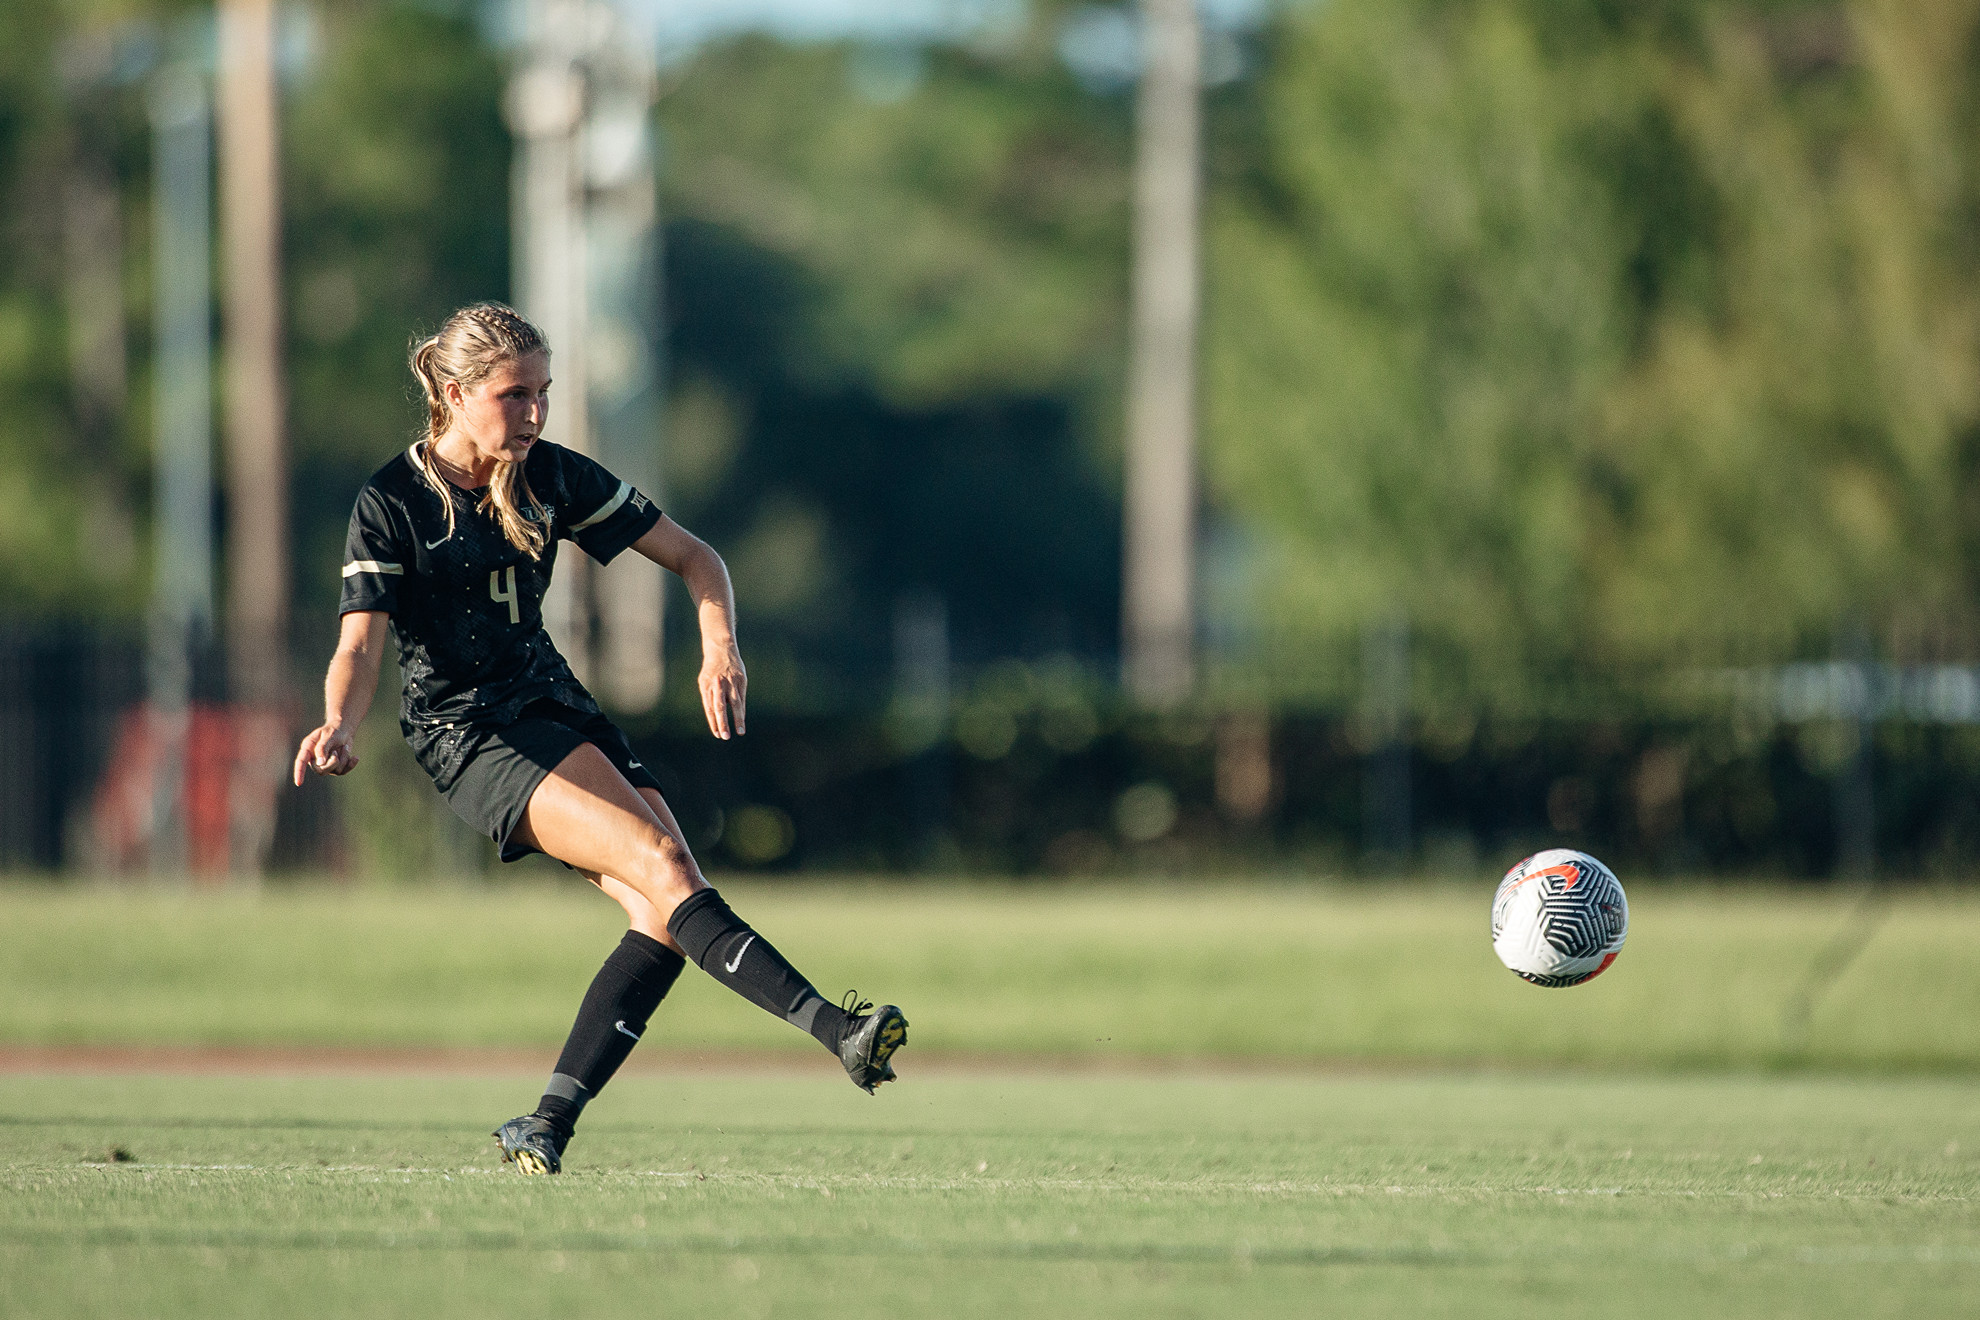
(326, 750)
(724, 686)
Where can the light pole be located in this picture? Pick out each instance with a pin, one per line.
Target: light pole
(587, 271)
(1158, 623)
(256, 409)
(182, 574)
(256, 394)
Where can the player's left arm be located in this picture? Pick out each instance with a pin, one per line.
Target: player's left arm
(724, 684)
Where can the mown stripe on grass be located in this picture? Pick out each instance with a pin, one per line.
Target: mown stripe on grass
(1172, 1253)
(417, 1240)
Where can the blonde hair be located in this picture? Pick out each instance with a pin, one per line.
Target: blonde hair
(471, 343)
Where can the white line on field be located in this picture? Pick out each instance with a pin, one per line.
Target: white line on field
(909, 1183)
(895, 1182)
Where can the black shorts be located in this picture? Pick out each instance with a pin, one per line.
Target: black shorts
(506, 764)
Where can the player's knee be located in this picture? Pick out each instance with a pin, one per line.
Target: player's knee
(671, 873)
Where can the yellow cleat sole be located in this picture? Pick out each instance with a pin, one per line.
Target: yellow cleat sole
(892, 1037)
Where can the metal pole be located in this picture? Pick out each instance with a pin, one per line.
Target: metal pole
(622, 342)
(1385, 799)
(545, 111)
(1158, 607)
(1855, 786)
(258, 507)
(182, 587)
(257, 466)
(920, 719)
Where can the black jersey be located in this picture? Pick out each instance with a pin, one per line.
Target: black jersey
(467, 608)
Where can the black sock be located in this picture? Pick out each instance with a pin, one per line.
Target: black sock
(631, 984)
(722, 944)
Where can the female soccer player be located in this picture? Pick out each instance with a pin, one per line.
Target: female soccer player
(452, 542)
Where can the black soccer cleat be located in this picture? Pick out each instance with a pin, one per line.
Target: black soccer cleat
(532, 1143)
(870, 1041)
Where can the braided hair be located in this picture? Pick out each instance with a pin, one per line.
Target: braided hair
(468, 346)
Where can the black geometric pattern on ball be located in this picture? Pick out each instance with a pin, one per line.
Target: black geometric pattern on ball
(1581, 909)
(1557, 982)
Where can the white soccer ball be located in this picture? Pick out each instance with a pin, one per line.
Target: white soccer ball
(1559, 918)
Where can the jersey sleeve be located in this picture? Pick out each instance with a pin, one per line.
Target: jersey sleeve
(374, 557)
(601, 513)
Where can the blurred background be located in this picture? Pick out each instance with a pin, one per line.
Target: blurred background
(1283, 436)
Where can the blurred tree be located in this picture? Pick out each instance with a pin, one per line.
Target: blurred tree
(1599, 338)
(1578, 332)
(1414, 319)
(894, 283)
(65, 548)
(961, 213)
(1795, 441)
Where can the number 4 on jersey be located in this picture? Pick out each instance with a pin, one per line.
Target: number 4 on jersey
(502, 587)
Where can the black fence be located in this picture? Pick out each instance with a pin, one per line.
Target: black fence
(1024, 772)
(61, 695)
(1299, 793)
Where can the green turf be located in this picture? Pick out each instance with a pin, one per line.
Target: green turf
(1211, 970)
(999, 1196)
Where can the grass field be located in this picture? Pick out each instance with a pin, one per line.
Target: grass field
(1272, 972)
(1250, 1100)
(998, 1196)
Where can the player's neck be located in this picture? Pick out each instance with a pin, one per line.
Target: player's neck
(460, 462)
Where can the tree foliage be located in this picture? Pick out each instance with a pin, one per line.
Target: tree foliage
(1603, 340)
(63, 550)
(1586, 335)
(894, 300)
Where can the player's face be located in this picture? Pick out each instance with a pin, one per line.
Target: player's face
(505, 411)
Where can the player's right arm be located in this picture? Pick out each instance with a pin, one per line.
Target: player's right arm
(376, 552)
(347, 692)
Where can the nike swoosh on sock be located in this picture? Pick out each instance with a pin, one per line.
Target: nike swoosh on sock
(731, 965)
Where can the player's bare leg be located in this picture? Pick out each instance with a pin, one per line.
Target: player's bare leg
(586, 814)
(627, 842)
(642, 914)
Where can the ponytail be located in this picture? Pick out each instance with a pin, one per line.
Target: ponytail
(473, 342)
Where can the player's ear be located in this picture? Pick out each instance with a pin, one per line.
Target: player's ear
(455, 395)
